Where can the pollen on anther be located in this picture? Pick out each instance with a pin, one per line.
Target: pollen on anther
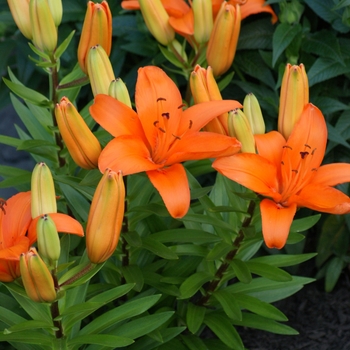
(183, 105)
(304, 154)
(161, 99)
(306, 145)
(166, 115)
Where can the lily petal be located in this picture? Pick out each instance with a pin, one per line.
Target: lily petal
(13, 252)
(270, 146)
(276, 222)
(115, 117)
(323, 199)
(202, 145)
(332, 174)
(251, 171)
(158, 102)
(128, 154)
(309, 135)
(252, 7)
(199, 115)
(172, 184)
(183, 25)
(17, 218)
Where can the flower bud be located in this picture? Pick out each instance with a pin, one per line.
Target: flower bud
(43, 26)
(252, 111)
(157, 21)
(36, 277)
(203, 20)
(223, 39)
(81, 143)
(43, 198)
(99, 70)
(118, 90)
(204, 88)
(97, 30)
(56, 11)
(239, 127)
(20, 13)
(48, 240)
(105, 217)
(294, 96)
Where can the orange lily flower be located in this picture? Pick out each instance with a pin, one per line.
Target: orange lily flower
(289, 174)
(15, 218)
(181, 14)
(160, 135)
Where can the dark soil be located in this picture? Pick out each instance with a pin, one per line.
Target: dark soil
(322, 320)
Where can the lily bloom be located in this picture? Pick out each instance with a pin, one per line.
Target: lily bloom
(181, 14)
(160, 135)
(15, 218)
(288, 174)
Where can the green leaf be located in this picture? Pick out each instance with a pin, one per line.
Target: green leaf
(170, 57)
(193, 342)
(133, 274)
(268, 271)
(301, 225)
(205, 219)
(335, 136)
(218, 251)
(158, 248)
(9, 317)
(184, 236)
(37, 311)
(130, 309)
(333, 271)
(259, 307)
(326, 68)
(268, 290)
(27, 94)
(111, 341)
(27, 337)
(222, 327)
(194, 317)
(229, 304)
(282, 37)
(241, 270)
(192, 284)
(283, 260)
(63, 46)
(265, 324)
(85, 270)
(28, 325)
(143, 325)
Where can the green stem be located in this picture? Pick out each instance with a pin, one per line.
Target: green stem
(55, 312)
(211, 287)
(125, 229)
(54, 98)
(80, 274)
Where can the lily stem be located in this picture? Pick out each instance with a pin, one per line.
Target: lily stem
(55, 312)
(211, 287)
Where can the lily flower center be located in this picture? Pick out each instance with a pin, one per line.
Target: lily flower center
(166, 131)
(296, 170)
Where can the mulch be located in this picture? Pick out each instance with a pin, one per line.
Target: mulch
(322, 320)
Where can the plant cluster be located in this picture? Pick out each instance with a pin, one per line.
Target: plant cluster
(182, 154)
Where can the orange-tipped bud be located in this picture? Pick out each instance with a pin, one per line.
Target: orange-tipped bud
(43, 198)
(99, 70)
(118, 90)
(43, 26)
(157, 21)
(252, 111)
(204, 88)
(48, 240)
(97, 30)
(56, 11)
(36, 277)
(224, 37)
(294, 96)
(20, 13)
(203, 20)
(81, 143)
(239, 127)
(105, 217)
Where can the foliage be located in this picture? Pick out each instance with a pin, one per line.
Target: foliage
(190, 282)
